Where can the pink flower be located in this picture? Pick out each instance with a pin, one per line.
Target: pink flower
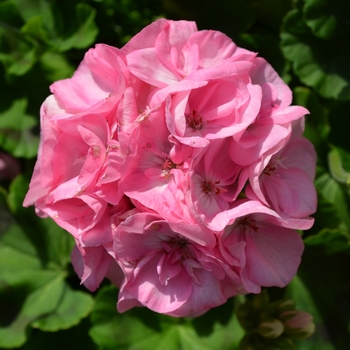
(80, 158)
(285, 180)
(156, 163)
(273, 124)
(170, 268)
(167, 51)
(257, 246)
(221, 108)
(100, 75)
(178, 165)
(93, 264)
(214, 184)
(76, 187)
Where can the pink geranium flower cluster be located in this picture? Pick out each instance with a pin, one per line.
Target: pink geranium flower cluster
(178, 165)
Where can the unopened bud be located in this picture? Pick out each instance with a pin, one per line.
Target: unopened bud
(271, 328)
(298, 324)
(286, 305)
(9, 167)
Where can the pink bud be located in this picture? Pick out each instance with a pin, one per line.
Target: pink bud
(9, 167)
(298, 324)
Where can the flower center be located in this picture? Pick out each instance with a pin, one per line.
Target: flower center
(212, 187)
(270, 168)
(247, 223)
(167, 166)
(177, 250)
(177, 243)
(194, 120)
(176, 254)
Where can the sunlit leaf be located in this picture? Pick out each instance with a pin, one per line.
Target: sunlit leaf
(143, 329)
(27, 8)
(332, 191)
(334, 240)
(79, 32)
(56, 66)
(327, 18)
(16, 127)
(18, 53)
(73, 306)
(336, 167)
(320, 64)
(34, 257)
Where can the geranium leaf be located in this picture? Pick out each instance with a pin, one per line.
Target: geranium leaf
(73, 306)
(56, 66)
(336, 167)
(22, 273)
(334, 240)
(332, 191)
(145, 330)
(16, 127)
(28, 8)
(320, 64)
(34, 257)
(326, 18)
(79, 33)
(18, 53)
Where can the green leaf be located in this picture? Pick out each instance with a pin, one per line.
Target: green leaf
(39, 302)
(327, 18)
(303, 298)
(34, 257)
(16, 126)
(34, 28)
(143, 329)
(86, 30)
(18, 53)
(320, 64)
(56, 66)
(27, 8)
(22, 273)
(332, 192)
(331, 228)
(72, 307)
(334, 240)
(79, 32)
(46, 22)
(336, 167)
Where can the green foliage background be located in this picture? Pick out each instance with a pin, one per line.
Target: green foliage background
(42, 304)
